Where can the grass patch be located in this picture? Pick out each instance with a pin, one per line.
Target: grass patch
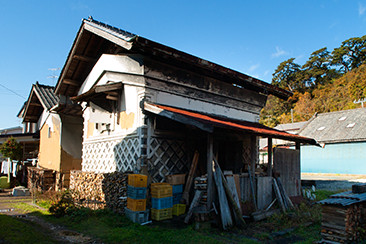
(16, 231)
(324, 194)
(114, 228)
(28, 208)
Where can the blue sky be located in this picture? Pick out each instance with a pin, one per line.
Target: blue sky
(252, 37)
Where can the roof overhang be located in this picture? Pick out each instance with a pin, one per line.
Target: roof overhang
(208, 123)
(95, 38)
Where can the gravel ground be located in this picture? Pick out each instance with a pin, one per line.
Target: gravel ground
(333, 181)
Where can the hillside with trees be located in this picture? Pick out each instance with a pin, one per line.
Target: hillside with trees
(328, 81)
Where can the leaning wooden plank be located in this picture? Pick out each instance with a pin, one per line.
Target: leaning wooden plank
(237, 213)
(257, 216)
(195, 202)
(285, 196)
(231, 183)
(278, 195)
(224, 206)
(282, 192)
(185, 196)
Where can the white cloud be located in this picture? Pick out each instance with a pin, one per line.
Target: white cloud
(361, 9)
(279, 52)
(253, 67)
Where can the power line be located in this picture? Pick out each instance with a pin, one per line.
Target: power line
(12, 91)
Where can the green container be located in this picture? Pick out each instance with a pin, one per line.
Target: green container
(4, 182)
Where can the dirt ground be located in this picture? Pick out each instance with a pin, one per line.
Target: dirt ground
(58, 233)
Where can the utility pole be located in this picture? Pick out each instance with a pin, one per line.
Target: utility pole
(360, 101)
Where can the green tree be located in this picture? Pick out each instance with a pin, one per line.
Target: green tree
(288, 75)
(317, 70)
(12, 149)
(351, 54)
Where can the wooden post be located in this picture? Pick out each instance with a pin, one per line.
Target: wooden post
(254, 148)
(209, 171)
(269, 156)
(253, 161)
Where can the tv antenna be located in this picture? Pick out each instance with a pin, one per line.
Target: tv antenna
(360, 101)
(53, 76)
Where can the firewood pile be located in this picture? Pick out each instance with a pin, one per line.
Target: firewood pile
(343, 216)
(341, 224)
(41, 179)
(99, 190)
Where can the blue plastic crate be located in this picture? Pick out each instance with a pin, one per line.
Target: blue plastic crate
(177, 189)
(136, 192)
(137, 217)
(176, 198)
(161, 203)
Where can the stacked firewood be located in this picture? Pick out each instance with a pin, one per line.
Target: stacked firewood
(98, 190)
(341, 224)
(41, 179)
(114, 187)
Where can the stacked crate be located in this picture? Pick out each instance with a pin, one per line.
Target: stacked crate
(161, 201)
(136, 198)
(177, 182)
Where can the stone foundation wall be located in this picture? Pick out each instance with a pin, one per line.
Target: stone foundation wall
(99, 190)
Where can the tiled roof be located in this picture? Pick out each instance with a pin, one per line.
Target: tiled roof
(46, 95)
(340, 126)
(94, 37)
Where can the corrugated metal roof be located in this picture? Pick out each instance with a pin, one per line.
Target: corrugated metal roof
(340, 126)
(210, 121)
(292, 128)
(345, 198)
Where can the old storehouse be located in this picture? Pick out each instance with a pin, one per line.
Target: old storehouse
(148, 108)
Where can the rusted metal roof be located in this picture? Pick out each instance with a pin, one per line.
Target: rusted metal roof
(335, 127)
(344, 198)
(95, 38)
(209, 122)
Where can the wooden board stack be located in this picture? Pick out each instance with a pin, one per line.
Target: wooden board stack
(341, 224)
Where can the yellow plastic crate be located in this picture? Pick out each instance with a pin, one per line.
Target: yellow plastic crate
(161, 190)
(137, 180)
(179, 209)
(178, 179)
(161, 214)
(136, 204)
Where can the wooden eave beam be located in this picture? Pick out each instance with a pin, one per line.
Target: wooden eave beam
(177, 117)
(35, 104)
(71, 82)
(110, 97)
(84, 58)
(108, 87)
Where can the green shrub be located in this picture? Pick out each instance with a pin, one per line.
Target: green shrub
(63, 206)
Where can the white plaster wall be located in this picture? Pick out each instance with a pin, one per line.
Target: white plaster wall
(201, 106)
(131, 64)
(129, 103)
